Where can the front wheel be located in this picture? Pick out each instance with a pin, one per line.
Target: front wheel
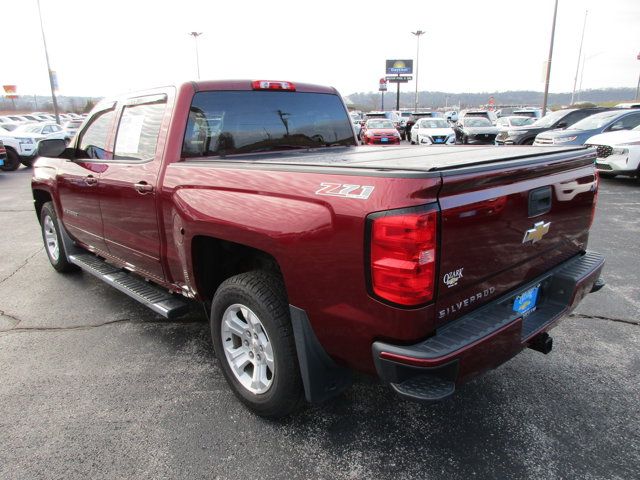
(12, 162)
(53, 240)
(254, 344)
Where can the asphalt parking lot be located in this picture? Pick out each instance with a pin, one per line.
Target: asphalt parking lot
(92, 385)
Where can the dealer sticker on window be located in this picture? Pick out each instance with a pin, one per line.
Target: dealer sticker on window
(526, 301)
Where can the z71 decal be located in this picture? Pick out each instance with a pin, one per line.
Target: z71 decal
(345, 190)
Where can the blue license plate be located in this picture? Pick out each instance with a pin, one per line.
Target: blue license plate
(384, 139)
(526, 301)
(438, 140)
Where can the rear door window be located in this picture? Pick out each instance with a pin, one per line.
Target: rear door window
(234, 122)
(139, 127)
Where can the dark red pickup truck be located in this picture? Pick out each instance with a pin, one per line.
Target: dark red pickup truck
(314, 256)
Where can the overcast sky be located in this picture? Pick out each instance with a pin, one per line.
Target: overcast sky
(103, 47)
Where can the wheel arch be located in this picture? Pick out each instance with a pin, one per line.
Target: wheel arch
(40, 197)
(214, 260)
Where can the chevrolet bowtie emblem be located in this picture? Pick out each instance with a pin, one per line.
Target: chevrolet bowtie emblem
(536, 233)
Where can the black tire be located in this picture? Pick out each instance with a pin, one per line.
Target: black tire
(465, 140)
(528, 142)
(264, 294)
(28, 163)
(12, 162)
(61, 264)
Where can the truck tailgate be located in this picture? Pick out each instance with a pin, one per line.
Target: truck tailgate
(503, 225)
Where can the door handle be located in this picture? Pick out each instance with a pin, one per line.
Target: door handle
(143, 187)
(90, 180)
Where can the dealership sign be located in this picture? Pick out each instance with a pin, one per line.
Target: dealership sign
(10, 91)
(399, 67)
(383, 85)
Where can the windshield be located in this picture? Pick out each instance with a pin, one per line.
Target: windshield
(73, 124)
(234, 122)
(9, 127)
(29, 128)
(477, 122)
(433, 123)
(551, 118)
(519, 122)
(598, 120)
(380, 124)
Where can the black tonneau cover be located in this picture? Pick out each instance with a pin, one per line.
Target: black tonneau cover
(403, 158)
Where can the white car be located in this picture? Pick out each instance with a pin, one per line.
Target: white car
(618, 152)
(432, 131)
(22, 142)
(506, 123)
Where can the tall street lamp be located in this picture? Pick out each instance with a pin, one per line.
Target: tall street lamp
(195, 36)
(417, 33)
(52, 81)
(575, 79)
(546, 81)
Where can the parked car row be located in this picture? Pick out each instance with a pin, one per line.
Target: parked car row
(40, 117)
(21, 140)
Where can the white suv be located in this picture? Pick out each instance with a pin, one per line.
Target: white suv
(618, 152)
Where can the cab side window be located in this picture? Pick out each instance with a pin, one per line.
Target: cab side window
(626, 123)
(138, 131)
(93, 140)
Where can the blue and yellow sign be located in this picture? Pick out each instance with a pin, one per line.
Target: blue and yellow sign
(399, 67)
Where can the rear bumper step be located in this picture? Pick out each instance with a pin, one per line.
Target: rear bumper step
(157, 299)
(487, 337)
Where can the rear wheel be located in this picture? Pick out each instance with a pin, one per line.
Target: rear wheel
(528, 142)
(12, 162)
(253, 340)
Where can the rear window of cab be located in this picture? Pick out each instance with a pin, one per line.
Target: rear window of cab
(236, 122)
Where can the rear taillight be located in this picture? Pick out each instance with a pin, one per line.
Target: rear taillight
(595, 196)
(272, 85)
(403, 256)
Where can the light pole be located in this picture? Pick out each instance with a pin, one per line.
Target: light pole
(417, 33)
(575, 79)
(51, 80)
(638, 86)
(195, 36)
(548, 75)
(584, 61)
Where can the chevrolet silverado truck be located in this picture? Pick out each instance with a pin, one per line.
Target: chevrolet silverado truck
(316, 257)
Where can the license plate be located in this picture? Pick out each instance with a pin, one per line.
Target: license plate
(438, 140)
(526, 301)
(384, 139)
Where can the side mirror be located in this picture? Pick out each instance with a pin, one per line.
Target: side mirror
(52, 148)
(562, 125)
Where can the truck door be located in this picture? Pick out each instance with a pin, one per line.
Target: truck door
(128, 186)
(77, 180)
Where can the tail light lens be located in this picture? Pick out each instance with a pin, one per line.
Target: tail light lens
(403, 257)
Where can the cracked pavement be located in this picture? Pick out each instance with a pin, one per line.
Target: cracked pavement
(93, 385)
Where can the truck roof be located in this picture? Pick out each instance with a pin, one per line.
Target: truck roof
(405, 158)
(204, 85)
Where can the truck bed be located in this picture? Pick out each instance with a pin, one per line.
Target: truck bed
(407, 159)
